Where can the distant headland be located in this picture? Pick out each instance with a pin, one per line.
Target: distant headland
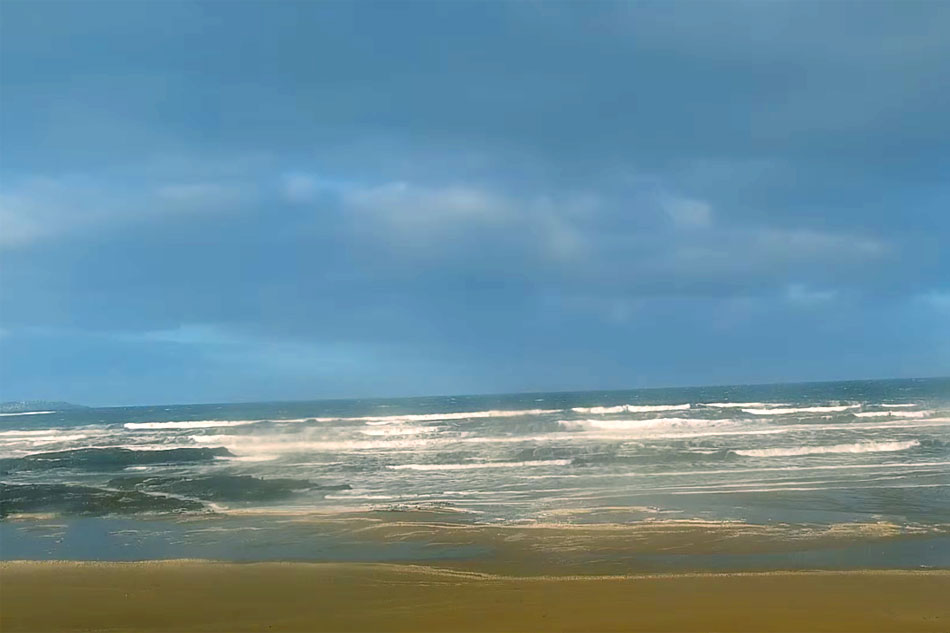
(31, 406)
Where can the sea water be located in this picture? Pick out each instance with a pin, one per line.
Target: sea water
(856, 471)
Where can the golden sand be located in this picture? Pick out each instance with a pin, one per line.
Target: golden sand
(206, 596)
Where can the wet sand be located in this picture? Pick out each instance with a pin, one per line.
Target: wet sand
(206, 596)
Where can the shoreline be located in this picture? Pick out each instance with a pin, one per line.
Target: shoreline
(198, 595)
(674, 546)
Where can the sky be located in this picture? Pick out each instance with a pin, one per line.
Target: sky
(239, 201)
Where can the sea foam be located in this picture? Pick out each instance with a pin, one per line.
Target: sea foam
(893, 414)
(396, 431)
(433, 417)
(788, 410)
(631, 408)
(633, 425)
(270, 444)
(740, 405)
(23, 433)
(195, 424)
(857, 447)
(480, 465)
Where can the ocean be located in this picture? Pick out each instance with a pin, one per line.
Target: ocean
(820, 475)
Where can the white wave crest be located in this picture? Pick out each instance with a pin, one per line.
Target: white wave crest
(633, 425)
(41, 440)
(264, 457)
(27, 413)
(424, 467)
(432, 417)
(189, 424)
(741, 405)
(631, 408)
(899, 406)
(243, 446)
(52, 439)
(20, 433)
(399, 430)
(893, 414)
(786, 411)
(24, 440)
(858, 447)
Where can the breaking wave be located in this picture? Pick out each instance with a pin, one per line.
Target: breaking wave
(788, 410)
(893, 414)
(222, 487)
(273, 445)
(632, 408)
(858, 447)
(397, 431)
(433, 417)
(23, 433)
(740, 405)
(38, 440)
(480, 465)
(197, 424)
(632, 425)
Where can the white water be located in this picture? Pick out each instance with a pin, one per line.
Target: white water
(631, 408)
(858, 447)
(516, 461)
(790, 410)
(196, 424)
(482, 465)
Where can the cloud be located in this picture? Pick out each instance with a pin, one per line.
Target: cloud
(806, 243)
(40, 208)
(301, 188)
(20, 221)
(203, 194)
(803, 295)
(412, 209)
(434, 221)
(608, 193)
(937, 300)
(687, 212)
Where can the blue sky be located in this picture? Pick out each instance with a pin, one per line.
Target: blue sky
(254, 200)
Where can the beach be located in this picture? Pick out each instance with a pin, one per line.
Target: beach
(819, 507)
(206, 596)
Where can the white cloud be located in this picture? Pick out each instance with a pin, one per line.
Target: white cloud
(20, 220)
(41, 208)
(688, 213)
(802, 243)
(562, 240)
(739, 258)
(937, 300)
(405, 207)
(299, 187)
(425, 223)
(578, 238)
(803, 295)
(429, 221)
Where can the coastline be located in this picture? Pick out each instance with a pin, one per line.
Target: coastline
(193, 595)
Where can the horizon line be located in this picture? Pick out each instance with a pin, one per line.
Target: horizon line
(483, 394)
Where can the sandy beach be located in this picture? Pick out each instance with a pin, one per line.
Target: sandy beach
(207, 596)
